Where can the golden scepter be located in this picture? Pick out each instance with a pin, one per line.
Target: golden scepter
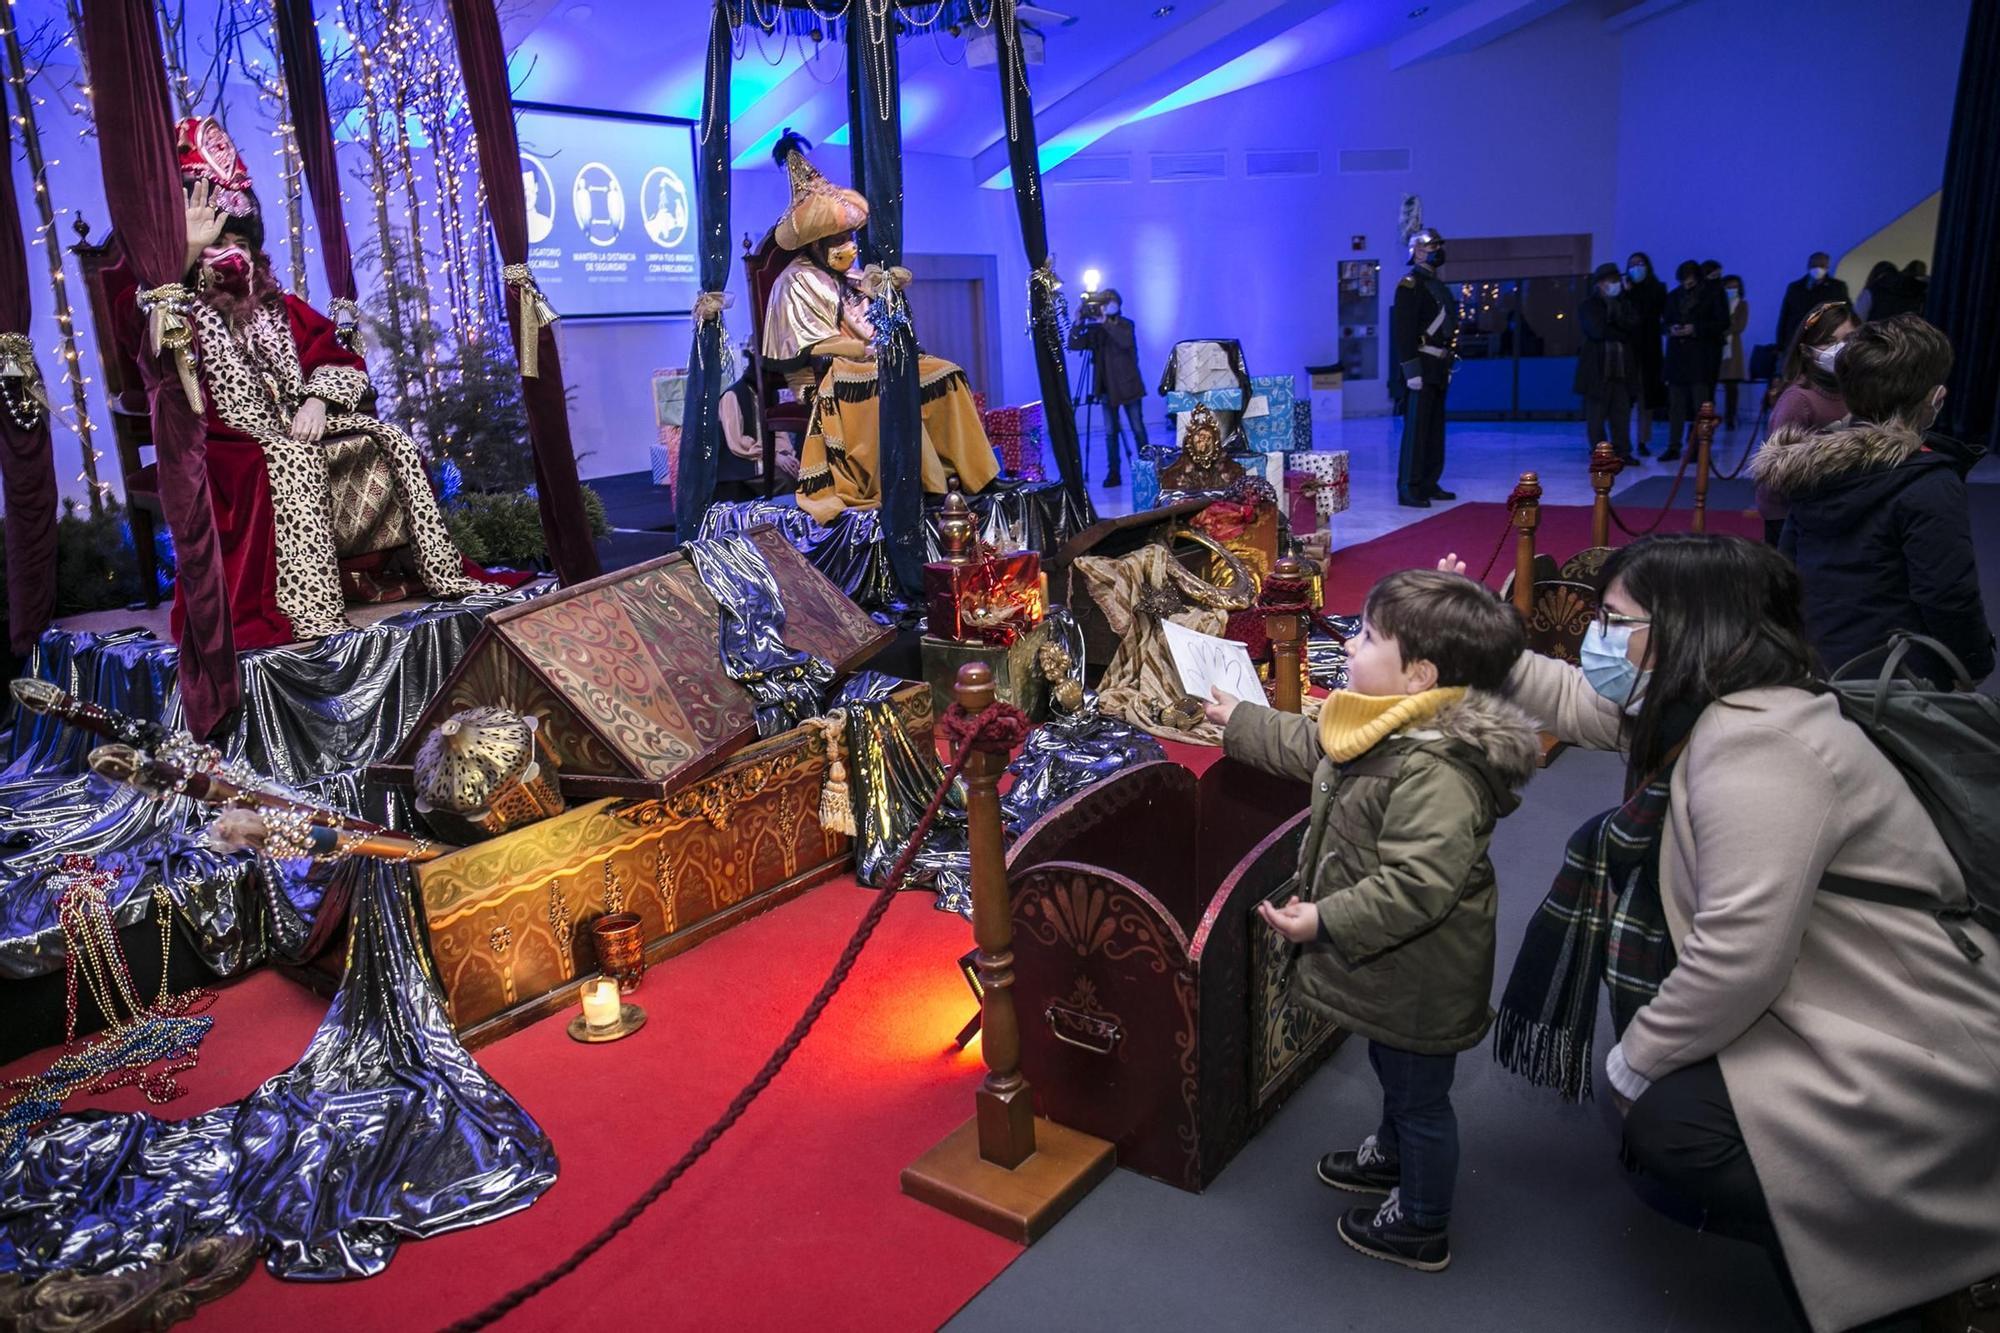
(280, 825)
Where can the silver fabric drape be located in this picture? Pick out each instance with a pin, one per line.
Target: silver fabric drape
(313, 719)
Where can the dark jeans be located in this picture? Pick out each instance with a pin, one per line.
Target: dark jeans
(1421, 466)
(1419, 1128)
(1135, 412)
(1608, 417)
(1683, 401)
(1682, 1135)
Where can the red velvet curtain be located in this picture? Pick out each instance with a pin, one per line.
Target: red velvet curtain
(142, 191)
(312, 128)
(482, 59)
(27, 460)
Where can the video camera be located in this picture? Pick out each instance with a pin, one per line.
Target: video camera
(1091, 308)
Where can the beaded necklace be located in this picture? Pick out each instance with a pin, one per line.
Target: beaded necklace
(168, 1033)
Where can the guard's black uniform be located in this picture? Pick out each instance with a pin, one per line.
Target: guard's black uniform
(1423, 331)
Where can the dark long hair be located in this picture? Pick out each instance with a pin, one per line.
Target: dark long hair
(1815, 330)
(1726, 616)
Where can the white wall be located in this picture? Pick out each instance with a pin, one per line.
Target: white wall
(1757, 133)
(1502, 142)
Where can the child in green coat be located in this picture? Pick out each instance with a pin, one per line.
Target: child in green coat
(1411, 767)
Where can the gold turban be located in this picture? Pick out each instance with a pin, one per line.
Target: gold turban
(819, 207)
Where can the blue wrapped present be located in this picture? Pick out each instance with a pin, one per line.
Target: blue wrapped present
(1144, 474)
(1218, 400)
(1267, 421)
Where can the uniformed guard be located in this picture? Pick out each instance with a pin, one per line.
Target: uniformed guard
(1423, 330)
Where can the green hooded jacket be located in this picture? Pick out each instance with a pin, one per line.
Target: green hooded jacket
(1395, 859)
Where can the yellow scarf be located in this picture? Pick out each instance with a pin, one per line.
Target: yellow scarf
(1350, 724)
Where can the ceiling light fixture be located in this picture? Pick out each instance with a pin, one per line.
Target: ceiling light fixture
(1420, 11)
(1163, 11)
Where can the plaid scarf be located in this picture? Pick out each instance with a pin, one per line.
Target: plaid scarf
(1601, 922)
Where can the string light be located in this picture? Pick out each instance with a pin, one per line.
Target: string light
(78, 416)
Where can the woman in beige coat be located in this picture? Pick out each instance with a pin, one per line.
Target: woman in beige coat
(1818, 1072)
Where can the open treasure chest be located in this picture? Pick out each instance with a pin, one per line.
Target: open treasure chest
(1155, 1009)
(677, 811)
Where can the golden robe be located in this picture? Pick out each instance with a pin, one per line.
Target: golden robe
(839, 464)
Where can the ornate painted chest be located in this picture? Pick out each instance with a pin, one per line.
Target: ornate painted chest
(679, 813)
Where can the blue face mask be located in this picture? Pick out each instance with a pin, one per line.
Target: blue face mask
(1638, 272)
(1610, 672)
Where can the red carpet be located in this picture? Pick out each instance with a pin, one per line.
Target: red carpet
(794, 1220)
(1472, 530)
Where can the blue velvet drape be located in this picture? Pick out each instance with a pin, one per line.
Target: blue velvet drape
(701, 437)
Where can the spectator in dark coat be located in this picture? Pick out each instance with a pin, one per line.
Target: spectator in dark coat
(1879, 527)
(1697, 321)
(1882, 272)
(1607, 367)
(1649, 302)
(1817, 287)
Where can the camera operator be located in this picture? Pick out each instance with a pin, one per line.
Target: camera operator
(1113, 344)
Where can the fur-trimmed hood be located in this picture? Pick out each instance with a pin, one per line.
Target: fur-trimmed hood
(1797, 461)
(1502, 734)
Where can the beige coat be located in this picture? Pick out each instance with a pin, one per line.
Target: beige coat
(1860, 1048)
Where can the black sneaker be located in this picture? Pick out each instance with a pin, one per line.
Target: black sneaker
(1387, 1234)
(1440, 493)
(1413, 503)
(1365, 1170)
(1114, 481)
(1671, 455)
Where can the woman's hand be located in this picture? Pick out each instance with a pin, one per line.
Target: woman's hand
(204, 224)
(786, 459)
(1221, 704)
(1296, 921)
(310, 423)
(1451, 564)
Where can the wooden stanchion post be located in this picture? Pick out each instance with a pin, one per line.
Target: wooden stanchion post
(1005, 1169)
(1604, 469)
(1705, 423)
(1527, 506)
(1287, 634)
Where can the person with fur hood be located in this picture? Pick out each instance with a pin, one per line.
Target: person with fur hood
(1879, 527)
(1410, 767)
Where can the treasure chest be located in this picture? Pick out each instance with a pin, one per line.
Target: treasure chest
(1156, 1009)
(677, 813)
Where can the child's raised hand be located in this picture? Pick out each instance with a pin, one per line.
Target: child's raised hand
(1296, 921)
(1221, 703)
(1451, 564)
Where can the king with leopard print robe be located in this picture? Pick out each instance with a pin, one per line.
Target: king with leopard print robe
(272, 494)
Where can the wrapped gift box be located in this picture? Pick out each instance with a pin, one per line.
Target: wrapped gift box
(1267, 420)
(1144, 476)
(666, 460)
(1329, 470)
(1302, 502)
(1221, 400)
(669, 399)
(1001, 421)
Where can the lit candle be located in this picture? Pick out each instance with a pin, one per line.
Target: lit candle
(601, 1004)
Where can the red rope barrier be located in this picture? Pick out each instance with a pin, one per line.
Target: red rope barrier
(1515, 498)
(997, 729)
(1687, 456)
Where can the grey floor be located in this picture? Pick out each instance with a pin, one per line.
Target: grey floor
(1547, 1233)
